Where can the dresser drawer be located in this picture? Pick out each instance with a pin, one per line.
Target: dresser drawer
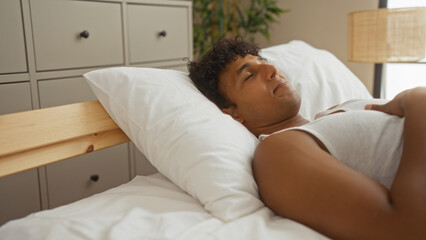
(12, 44)
(64, 91)
(70, 180)
(82, 176)
(19, 196)
(57, 25)
(15, 97)
(142, 165)
(158, 33)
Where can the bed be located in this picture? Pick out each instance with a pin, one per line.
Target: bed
(204, 188)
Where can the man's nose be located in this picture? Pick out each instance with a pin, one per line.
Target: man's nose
(270, 72)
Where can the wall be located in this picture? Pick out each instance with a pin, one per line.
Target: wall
(323, 24)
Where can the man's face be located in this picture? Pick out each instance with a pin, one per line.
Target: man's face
(260, 94)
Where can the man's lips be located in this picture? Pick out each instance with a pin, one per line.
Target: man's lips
(279, 85)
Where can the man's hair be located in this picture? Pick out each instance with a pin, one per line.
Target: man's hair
(205, 72)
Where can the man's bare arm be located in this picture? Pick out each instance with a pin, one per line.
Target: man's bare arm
(299, 180)
(408, 192)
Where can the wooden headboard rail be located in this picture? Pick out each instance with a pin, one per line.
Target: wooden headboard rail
(35, 138)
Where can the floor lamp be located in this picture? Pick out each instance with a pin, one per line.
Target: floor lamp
(387, 36)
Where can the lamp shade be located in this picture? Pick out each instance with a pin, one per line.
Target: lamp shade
(387, 35)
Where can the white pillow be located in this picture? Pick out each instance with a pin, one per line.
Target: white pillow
(190, 141)
(184, 135)
(317, 75)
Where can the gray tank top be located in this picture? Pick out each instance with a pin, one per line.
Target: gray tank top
(370, 142)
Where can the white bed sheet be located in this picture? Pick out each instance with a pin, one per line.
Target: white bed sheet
(149, 207)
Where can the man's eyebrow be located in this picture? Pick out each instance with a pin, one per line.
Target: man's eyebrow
(245, 65)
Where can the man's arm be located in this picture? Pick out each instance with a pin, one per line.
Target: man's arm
(408, 192)
(299, 180)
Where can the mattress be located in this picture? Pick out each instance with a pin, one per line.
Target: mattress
(149, 207)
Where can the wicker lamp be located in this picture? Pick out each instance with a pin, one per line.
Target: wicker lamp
(387, 35)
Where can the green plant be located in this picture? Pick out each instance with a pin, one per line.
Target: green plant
(217, 19)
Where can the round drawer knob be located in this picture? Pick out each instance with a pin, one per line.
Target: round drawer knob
(94, 177)
(84, 34)
(162, 33)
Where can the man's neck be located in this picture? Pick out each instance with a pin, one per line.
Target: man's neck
(294, 121)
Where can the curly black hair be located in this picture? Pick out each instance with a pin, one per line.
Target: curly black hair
(205, 72)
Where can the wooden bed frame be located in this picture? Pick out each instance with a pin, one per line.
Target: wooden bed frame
(38, 137)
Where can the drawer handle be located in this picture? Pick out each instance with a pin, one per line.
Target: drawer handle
(94, 177)
(162, 33)
(84, 34)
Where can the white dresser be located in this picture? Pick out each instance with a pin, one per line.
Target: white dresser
(45, 47)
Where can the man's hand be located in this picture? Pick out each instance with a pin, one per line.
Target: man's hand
(398, 105)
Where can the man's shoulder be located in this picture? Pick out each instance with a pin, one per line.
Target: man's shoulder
(288, 142)
(292, 149)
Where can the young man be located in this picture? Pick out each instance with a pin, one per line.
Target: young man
(350, 174)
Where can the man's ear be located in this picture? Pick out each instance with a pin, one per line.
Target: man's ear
(233, 112)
